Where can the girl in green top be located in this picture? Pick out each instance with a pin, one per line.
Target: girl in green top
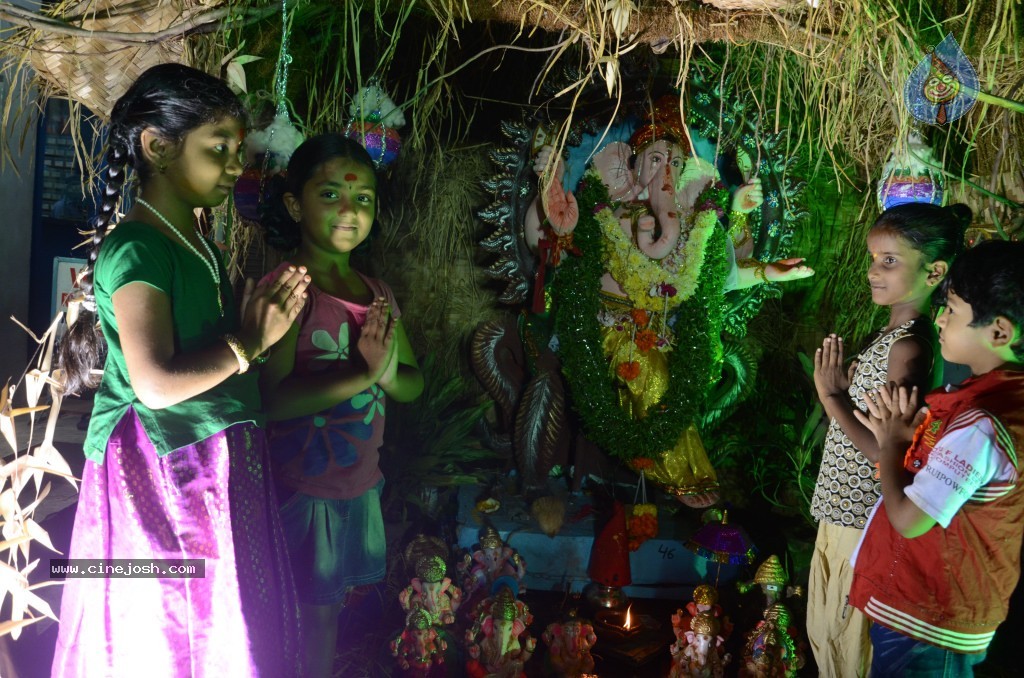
(177, 463)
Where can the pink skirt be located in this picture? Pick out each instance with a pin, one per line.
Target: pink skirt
(212, 501)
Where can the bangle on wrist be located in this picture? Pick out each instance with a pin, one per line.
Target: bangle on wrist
(238, 349)
(758, 266)
(739, 230)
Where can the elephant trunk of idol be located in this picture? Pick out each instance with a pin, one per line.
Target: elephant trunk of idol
(655, 238)
(573, 642)
(503, 633)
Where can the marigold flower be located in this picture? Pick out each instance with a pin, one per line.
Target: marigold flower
(640, 317)
(642, 463)
(645, 340)
(628, 371)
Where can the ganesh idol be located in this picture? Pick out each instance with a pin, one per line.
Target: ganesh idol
(643, 250)
(491, 560)
(569, 643)
(702, 656)
(432, 591)
(419, 649)
(499, 644)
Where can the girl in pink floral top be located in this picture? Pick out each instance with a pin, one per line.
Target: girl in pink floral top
(325, 383)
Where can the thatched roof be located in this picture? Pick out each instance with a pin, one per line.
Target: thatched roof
(656, 22)
(834, 72)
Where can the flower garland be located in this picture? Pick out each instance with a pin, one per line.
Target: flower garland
(649, 283)
(694, 364)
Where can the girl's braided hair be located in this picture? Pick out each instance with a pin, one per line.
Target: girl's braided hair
(172, 100)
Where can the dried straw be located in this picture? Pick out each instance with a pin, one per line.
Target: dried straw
(427, 254)
(96, 72)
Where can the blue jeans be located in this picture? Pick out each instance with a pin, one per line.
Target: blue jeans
(899, 656)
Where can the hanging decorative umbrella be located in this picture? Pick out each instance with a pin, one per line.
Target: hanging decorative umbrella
(722, 542)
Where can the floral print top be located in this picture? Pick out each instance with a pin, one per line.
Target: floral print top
(333, 454)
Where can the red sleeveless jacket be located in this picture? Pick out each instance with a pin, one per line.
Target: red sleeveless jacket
(951, 587)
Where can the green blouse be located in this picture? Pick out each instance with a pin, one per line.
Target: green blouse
(135, 252)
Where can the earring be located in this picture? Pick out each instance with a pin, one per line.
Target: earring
(161, 168)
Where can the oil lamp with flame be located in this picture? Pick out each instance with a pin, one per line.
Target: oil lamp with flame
(629, 637)
(619, 622)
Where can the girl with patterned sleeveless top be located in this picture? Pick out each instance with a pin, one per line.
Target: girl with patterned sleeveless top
(911, 247)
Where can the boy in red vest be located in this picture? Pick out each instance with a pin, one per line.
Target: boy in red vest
(940, 555)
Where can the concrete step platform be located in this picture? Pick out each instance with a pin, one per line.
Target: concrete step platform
(661, 568)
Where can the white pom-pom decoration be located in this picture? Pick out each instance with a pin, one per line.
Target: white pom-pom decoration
(371, 104)
(279, 139)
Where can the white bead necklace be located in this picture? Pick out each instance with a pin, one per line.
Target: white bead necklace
(210, 262)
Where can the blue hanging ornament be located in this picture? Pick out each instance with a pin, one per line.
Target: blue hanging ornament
(374, 122)
(910, 175)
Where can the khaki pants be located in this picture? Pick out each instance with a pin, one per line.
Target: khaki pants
(838, 633)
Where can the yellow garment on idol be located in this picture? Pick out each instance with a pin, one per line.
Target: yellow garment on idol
(684, 470)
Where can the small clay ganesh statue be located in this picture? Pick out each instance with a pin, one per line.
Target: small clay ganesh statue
(418, 649)
(772, 650)
(569, 644)
(491, 559)
(702, 656)
(773, 580)
(705, 600)
(432, 591)
(498, 644)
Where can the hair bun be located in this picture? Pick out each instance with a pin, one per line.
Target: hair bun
(962, 213)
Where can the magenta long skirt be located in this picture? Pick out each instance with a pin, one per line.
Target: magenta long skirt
(213, 501)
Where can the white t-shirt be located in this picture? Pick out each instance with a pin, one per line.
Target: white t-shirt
(966, 464)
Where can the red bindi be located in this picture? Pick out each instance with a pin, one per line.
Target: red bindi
(350, 177)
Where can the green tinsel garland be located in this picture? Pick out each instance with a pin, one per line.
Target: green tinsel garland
(694, 363)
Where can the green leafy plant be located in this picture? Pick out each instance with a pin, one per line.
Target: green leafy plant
(769, 445)
(431, 442)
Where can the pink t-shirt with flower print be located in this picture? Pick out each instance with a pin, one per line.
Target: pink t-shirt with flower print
(333, 454)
